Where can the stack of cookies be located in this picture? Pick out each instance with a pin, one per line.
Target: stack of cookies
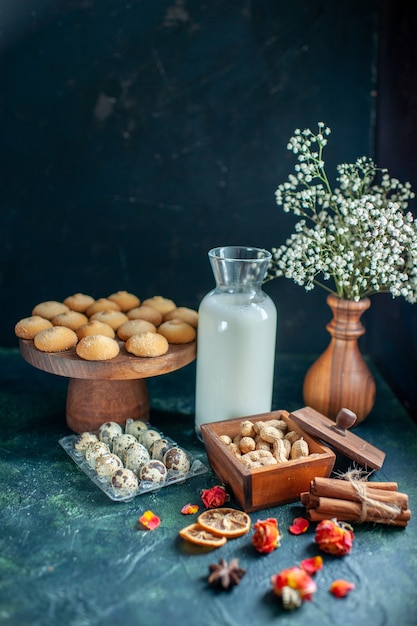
(96, 328)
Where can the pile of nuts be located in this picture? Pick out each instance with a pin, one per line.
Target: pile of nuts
(269, 442)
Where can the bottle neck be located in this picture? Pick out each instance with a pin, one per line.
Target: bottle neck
(239, 269)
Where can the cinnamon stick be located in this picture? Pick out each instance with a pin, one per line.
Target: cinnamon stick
(330, 508)
(358, 491)
(356, 501)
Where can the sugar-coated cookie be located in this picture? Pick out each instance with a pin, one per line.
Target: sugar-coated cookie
(147, 345)
(125, 300)
(70, 319)
(102, 304)
(113, 318)
(161, 304)
(49, 309)
(79, 302)
(97, 348)
(135, 327)
(145, 312)
(55, 339)
(28, 327)
(177, 331)
(183, 313)
(95, 327)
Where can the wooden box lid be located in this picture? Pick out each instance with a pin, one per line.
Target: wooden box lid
(337, 435)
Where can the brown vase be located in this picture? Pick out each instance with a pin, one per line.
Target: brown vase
(340, 378)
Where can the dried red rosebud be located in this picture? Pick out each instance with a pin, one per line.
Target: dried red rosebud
(214, 497)
(334, 537)
(293, 579)
(266, 536)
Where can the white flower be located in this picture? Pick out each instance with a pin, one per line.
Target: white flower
(356, 237)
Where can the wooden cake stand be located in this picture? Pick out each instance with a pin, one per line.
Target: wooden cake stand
(102, 391)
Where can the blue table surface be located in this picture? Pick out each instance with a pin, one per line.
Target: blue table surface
(71, 556)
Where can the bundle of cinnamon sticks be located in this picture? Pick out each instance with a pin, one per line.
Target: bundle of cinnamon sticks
(351, 500)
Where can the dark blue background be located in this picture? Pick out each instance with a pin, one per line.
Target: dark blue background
(137, 135)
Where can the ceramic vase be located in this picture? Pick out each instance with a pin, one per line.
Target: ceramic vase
(340, 378)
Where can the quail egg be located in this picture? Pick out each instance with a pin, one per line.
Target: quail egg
(158, 448)
(94, 450)
(176, 459)
(107, 464)
(147, 437)
(124, 481)
(109, 431)
(154, 472)
(135, 427)
(83, 440)
(135, 456)
(121, 443)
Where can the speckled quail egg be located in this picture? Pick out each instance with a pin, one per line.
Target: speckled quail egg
(135, 456)
(109, 431)
(121, 443)
(154, 472)
(135, 427)
(158, 448)
(124, 481)
(95, 450)
(147, 437)
(107, 464)
(176, 459)
(83, 440)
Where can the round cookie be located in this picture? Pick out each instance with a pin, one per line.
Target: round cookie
(125, 300)
(147, 345)
(102, 304)
(145, 312)
(70, 319)
(49, 309)
(97, 348)
(113, 318)
(177, 331)
(134, 327)
(79, 302)
(28, 327)
(183, 313)
(94, 327)
(55, 339)
(161, 304)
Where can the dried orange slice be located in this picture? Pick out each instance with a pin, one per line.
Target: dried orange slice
(202, 537)
(225, 522)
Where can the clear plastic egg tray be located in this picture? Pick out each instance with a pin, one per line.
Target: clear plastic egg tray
(104, 483)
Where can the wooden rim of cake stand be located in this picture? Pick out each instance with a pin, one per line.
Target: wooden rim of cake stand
(102, 391)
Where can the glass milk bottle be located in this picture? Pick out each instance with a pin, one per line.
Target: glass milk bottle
(236, 338)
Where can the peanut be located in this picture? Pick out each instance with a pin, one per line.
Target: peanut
(269, 433)
(247, 429)
(299, 449)
(279, 451)
(246, 444)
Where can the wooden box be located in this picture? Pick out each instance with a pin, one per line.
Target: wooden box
(264, 487)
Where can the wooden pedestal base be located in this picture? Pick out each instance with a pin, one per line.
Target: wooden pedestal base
(90, 403)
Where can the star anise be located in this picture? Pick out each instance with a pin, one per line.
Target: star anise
(225, 575)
